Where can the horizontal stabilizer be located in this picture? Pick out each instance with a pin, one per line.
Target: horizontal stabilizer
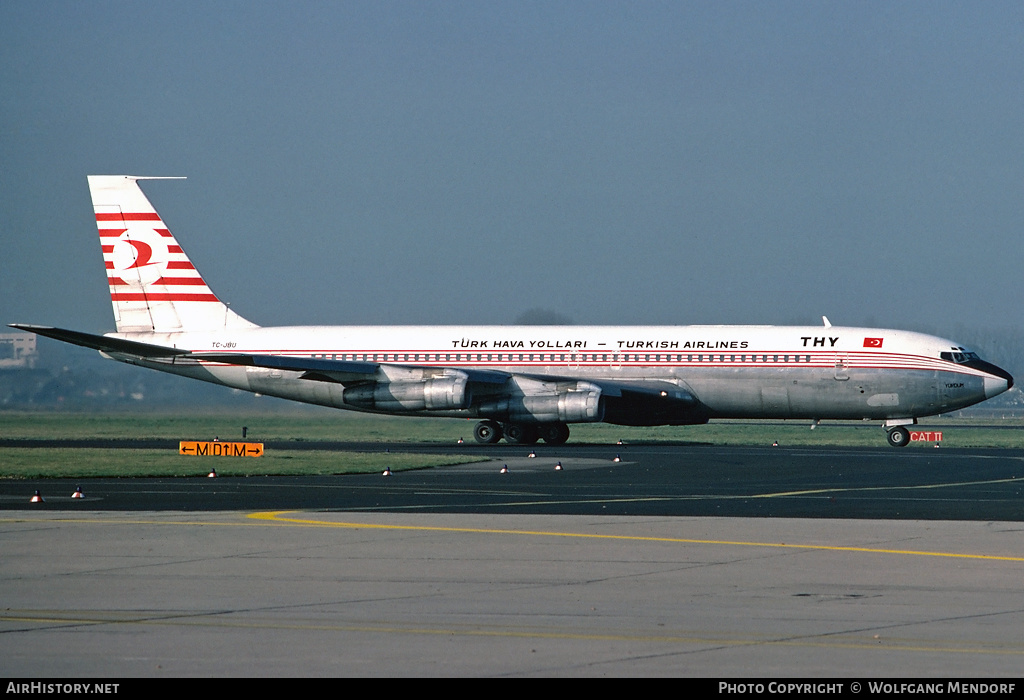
(101, 342)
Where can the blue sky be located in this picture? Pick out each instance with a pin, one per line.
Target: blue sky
(447, 162)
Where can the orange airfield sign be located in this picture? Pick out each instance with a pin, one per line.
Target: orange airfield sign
(216, 448)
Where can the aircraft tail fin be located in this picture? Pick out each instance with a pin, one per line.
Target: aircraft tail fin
(153, 285)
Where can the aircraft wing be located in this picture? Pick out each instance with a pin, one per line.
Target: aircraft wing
(653, 399)
(314, 368)
(632, 401)
(334, 370)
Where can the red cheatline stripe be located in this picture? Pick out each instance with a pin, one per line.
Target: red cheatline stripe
(145, 216)
(108, 248)
(175, 249)
(111, 232)
(109, 264)
(180, 265)
(164, 232)
(139, 296)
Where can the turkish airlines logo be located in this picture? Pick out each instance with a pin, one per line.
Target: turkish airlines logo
(140, 257)
(872, 342)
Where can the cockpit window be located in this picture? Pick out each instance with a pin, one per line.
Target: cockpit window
(959, 357)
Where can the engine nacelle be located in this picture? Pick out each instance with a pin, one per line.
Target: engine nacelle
(585, 405)
(435, 394)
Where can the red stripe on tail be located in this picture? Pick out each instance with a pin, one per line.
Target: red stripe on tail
(145, 216)
(141, 296)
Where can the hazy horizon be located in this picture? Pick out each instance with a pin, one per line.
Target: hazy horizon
(449, 162)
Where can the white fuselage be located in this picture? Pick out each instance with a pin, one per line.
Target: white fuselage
(733, 371)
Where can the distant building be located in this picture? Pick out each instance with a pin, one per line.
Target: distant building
(18, 351)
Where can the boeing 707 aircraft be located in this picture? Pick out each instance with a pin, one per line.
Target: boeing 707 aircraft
(524, 383)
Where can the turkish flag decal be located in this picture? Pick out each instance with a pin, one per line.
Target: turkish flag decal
(872, 342)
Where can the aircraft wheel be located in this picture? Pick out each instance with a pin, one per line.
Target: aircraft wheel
(898, 437)
(487, 432)
(521, 434)
(555, 433)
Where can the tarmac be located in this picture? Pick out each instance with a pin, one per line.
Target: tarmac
(601, 569)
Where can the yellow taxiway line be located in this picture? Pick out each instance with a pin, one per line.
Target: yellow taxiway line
(278, 517)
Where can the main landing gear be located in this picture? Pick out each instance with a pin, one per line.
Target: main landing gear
(488, 432)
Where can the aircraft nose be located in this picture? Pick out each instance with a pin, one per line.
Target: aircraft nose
(997, 379)
(997, 382)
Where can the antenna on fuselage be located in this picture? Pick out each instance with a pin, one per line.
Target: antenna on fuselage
(828, 324)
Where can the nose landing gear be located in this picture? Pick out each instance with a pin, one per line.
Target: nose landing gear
(898, 436)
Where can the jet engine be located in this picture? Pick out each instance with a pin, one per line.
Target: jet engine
(447, 392)
(582, 405)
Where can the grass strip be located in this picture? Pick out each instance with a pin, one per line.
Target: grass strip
(69, 463)
(344, 426)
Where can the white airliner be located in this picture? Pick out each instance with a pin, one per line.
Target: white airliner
(523, 382)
